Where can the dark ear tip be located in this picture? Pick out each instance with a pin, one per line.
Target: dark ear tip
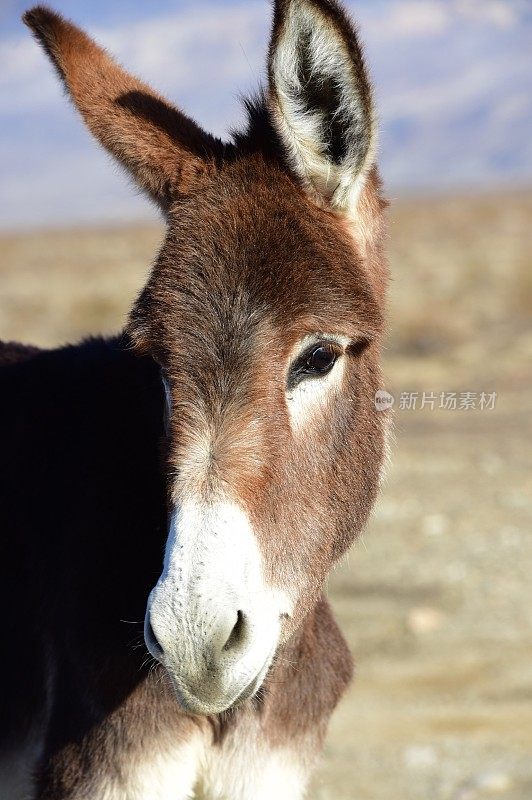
(324, 5)
(40, 19)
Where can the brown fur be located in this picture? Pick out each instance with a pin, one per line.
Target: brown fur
(162, 148)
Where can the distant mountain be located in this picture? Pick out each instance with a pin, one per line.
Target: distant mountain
(453, 84)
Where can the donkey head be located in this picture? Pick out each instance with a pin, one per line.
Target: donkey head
(263, 310)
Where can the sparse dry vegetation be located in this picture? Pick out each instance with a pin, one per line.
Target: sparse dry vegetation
(436, 600)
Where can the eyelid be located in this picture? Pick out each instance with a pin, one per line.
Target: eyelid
(330, 344)
(357, 346)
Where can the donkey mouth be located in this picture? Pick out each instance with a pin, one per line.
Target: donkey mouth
(207, 684)
(204, 703)
(253, 687)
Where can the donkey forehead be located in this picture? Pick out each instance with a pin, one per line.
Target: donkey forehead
(253, 250)
(252, 215)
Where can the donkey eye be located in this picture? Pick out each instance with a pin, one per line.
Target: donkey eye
(321, 360)
(314, 362)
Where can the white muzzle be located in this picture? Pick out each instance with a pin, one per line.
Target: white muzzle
(211, 620)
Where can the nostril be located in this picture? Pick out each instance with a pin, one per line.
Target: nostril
(152, 643)
(238, 633)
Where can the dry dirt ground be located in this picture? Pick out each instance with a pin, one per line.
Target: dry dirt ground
(436, 599)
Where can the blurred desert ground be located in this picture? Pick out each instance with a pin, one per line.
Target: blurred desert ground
(436, 600)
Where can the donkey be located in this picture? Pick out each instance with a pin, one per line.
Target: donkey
(199, 474)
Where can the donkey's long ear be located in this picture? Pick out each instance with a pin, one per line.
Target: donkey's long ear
(162, 148)
(320, 100)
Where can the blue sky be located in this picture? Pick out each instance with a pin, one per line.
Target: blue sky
(453, 82)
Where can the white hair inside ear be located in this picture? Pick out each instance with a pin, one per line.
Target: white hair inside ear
(320, 101)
